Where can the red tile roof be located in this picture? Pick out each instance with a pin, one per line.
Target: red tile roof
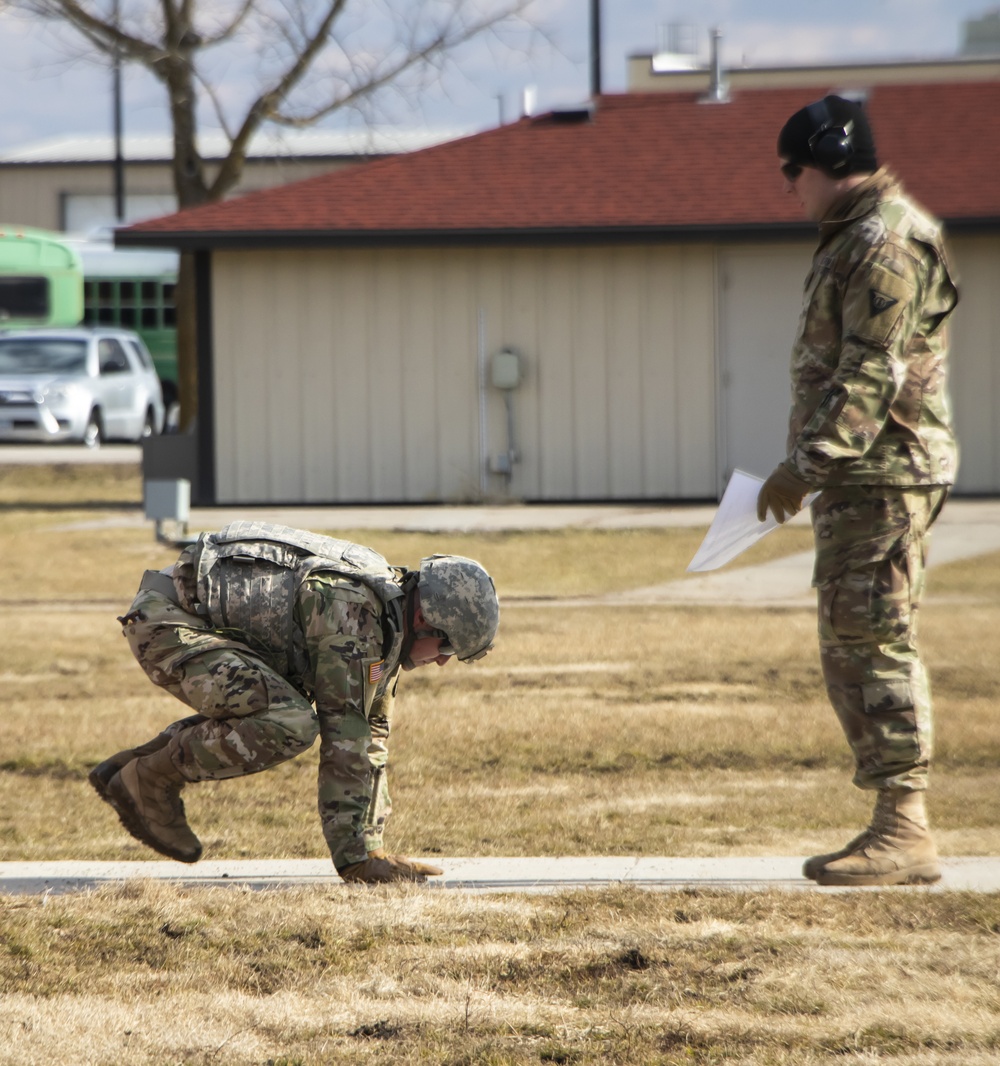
(644, 162)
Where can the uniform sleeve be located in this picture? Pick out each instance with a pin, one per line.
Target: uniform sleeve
(879, 316)
(343, 633)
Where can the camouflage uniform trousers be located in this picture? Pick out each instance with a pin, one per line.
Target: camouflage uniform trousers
(871, 554)
(250, 717)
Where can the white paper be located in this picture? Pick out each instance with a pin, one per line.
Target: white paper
(735, 526)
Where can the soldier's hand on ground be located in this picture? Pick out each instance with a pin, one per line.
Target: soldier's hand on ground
(381, 868)
(782, 494)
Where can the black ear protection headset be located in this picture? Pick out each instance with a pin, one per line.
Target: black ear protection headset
(831, 145)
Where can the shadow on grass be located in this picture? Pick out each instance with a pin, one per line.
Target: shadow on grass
(55, 506)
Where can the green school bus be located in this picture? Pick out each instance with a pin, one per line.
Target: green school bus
(134, 289)
(41, 279)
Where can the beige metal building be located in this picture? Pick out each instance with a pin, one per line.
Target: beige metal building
(587, 305)
(681, 72)
(67, 183)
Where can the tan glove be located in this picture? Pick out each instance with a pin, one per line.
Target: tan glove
(782, 494)
(380, 868)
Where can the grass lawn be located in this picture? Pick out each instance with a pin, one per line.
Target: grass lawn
(625, 730)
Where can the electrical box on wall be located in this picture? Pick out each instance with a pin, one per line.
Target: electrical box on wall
(505, 369)
(167, 499)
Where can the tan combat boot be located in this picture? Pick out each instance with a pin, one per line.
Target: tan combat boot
(146, 795)
(896, 849)
(812, 866)
(104, 771)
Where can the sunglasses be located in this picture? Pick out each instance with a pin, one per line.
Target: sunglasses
(446, 647)
(791, 170)
(477, 655)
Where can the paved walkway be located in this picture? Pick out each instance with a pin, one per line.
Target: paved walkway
(754, 874)
(967, 528)
(75, 454)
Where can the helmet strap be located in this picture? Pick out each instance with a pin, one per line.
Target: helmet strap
(410, 582)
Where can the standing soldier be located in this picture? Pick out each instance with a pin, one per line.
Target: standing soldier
(871, 427)
(252, 627)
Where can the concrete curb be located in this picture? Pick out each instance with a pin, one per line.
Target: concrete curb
(528, 874)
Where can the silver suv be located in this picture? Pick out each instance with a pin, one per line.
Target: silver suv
(78, 384)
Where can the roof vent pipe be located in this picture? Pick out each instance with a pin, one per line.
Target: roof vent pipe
(595, 48)
(718, 89)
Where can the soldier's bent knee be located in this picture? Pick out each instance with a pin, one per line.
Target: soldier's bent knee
(299, 724)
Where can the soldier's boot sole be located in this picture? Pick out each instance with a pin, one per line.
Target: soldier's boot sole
(921, 874)
(123, 792)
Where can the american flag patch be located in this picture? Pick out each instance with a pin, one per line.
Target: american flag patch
(375, 672)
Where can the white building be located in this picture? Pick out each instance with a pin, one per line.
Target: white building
(639, 258)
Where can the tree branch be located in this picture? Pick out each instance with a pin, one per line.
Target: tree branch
(105, 35)
(446, 40)
(266, 104)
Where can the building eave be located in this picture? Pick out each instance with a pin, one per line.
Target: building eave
(577, 235)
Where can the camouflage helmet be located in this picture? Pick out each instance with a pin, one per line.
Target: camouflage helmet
(458, 597)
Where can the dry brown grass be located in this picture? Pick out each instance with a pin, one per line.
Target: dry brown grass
(151, 973)
(643, 730)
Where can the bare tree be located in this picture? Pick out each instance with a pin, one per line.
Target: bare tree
(297, 61)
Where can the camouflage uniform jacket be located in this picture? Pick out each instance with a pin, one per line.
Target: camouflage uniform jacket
(870, 402)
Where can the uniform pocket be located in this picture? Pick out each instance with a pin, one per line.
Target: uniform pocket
(888, 697)
(868, 605)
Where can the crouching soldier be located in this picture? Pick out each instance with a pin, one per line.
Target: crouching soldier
(274, 636)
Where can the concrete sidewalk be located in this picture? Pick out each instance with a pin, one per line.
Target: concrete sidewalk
(114, 454)
(748, 874)
(967, 528)
(969, 513)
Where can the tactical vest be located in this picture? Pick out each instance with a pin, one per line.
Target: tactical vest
(247, 576)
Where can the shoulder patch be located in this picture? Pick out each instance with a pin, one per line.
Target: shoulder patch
(875, 305)
(880, 302)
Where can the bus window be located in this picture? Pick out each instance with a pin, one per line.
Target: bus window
(41, 279)
(24, 297)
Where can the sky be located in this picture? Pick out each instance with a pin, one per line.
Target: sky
(49, 92)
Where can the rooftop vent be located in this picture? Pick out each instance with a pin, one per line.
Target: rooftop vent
(718, 89)
(578, 113)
